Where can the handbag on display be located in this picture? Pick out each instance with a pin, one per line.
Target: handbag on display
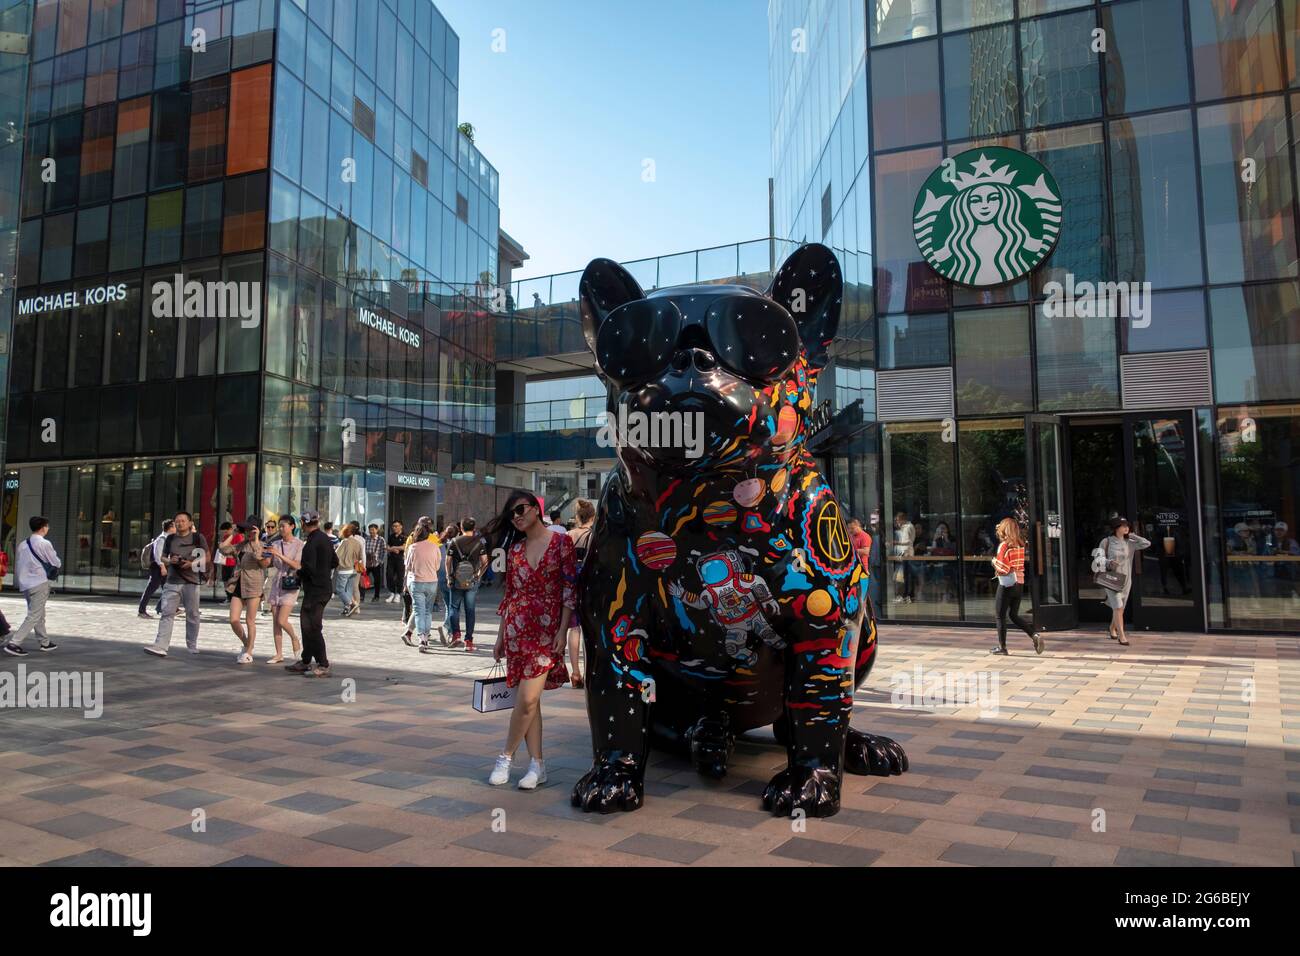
(491, 693)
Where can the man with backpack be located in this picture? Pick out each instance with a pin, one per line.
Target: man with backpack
(467, 559)
(36, 565)
(318, 562)
(151, 558)
(187, 560)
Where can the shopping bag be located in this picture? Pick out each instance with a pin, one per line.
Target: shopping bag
(491, 693)
(1110, 580)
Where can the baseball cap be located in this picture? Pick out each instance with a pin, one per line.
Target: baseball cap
(248, 524)
(310, 517)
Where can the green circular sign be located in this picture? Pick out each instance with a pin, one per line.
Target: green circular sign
(987, 216)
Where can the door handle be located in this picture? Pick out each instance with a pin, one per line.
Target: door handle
(1038, 550)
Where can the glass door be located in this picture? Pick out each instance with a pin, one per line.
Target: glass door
(1048, 558)
(1163, 508)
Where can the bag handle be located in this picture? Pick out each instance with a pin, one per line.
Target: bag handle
(498, 668)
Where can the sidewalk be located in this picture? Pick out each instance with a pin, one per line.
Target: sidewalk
(1155, 755)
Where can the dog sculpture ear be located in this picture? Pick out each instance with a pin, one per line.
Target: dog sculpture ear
(604, 287)
(810, 286)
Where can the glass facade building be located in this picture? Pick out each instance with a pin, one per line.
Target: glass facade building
(1170, 128)
(298, 163)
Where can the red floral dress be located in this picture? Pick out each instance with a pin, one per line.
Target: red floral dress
(532, 609)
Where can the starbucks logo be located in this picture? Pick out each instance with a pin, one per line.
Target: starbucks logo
(987, 216)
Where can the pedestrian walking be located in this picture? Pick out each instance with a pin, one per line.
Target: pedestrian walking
(541, 568)
(580, 535)
(352, 555)
(36, 565)
(1118, 551)
(286, 561)
(318, 560)
(154, 551)
(467, 559)
(245, 586)
(444, 539)
(375, 555)
(395, 570)
(1009, 563)
(226, 562)
(425, 523)
(185, 557)
(423, 560)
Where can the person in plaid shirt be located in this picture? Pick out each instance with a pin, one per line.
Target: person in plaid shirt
(1009, 563)
(376, 555)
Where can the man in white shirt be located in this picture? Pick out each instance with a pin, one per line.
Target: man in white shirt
(155, 568)
(555, 524)
(36, 558)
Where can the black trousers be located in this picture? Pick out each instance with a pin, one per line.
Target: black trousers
(395, 574)
(150, 589)
(376, 579)
(1007, 605)
(311, 619)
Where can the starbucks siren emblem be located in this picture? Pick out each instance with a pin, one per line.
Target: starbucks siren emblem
(987, 216)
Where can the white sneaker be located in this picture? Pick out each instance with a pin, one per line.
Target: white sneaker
(155, 651)
(244, 658)
(535, 777)
(192, 650)
(501, 771)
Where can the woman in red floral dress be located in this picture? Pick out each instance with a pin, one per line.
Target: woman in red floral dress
(541, 571)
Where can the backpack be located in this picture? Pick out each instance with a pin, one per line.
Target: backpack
(464, 571)
(146, 557)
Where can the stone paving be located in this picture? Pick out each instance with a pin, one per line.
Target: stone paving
(1183, 749)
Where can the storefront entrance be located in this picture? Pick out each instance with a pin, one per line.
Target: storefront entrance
(1141, 466)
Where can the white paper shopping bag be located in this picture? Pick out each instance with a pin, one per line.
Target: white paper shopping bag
(491, 693)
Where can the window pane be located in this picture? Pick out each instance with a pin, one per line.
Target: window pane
(960, 14)
(203, 221)
(1256, 343)
(163, 238)
(250, 120)
(911, 341)
(135, 70)
(56, 254)
(992, 461)
(1061, 74)
(1260, 516)
(1077, 365)
(1076, 157)
(284, 216)
(1249, 226)
(88, 347)
(123, 320)
(1146, 60)
(1177, 321)
(207, 146)
(245, 225)
(1157, 239)
(980, 96)
(315, 145)
(905, 95)
(127, 246)
(101, 73)
(241, 335)
(131, 167)
(992, 370)
(899, 266)
(97, 155)
(286, 148)
(1235, 49)
(892, 20)
(279, 318)
(92, 241)
(171, 116)
(917, 466)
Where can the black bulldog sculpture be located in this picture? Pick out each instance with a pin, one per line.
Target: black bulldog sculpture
(721, 592)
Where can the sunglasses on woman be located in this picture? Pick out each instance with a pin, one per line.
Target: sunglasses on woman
(521, 509)
(752, 337)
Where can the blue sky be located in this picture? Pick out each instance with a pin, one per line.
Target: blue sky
(586, 90)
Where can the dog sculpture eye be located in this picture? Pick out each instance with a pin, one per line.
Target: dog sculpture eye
(755, 338)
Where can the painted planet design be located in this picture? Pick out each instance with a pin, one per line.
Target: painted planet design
(778, 482)
(656, 550)
(749, 492)
(819, 603)
(719, 513)
(787, 423)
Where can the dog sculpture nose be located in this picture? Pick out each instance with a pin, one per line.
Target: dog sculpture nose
(702, 359)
